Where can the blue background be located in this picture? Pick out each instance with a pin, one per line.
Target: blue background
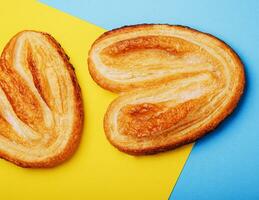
(224, 164)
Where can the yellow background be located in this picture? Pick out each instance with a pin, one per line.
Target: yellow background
(97, 170)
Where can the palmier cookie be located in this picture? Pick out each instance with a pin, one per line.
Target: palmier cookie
(41, 110)
(175, 83)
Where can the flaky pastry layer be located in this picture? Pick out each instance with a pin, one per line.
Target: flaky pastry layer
(175, 84)
(41, 111)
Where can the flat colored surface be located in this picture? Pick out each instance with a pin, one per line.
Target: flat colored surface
(97, 170)
(225, 164)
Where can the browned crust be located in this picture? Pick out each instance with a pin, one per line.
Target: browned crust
(75, 137)
(190, 137)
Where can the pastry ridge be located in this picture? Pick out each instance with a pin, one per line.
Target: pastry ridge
(175, 83)
(42, 120)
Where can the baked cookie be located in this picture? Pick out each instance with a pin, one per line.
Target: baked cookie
(176, 84)
(41, 110)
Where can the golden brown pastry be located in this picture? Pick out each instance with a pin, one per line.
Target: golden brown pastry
(176, 84)
(41, 111)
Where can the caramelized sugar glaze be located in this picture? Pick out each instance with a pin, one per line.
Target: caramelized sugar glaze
(40, 102)
(176, 84)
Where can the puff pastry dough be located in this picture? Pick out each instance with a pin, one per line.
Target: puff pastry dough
(176, 84)
(41, 113)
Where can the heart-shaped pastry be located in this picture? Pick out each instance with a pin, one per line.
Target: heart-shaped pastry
(176, 84)
(41, 111)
